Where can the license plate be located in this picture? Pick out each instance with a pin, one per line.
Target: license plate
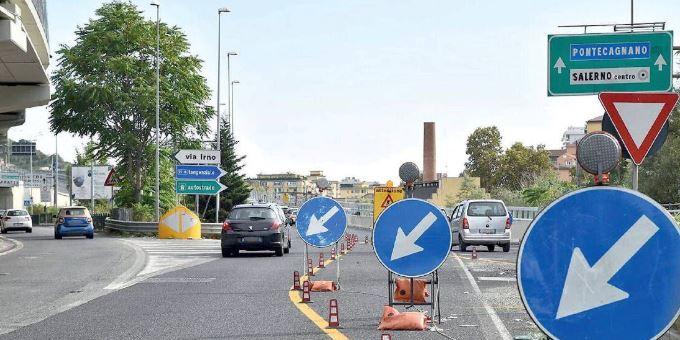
(18, 223)
(487, 231)
(251, 240)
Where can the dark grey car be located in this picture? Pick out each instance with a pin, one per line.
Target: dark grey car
(255, 227)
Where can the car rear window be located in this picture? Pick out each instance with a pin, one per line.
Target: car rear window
(251, 213)
(73, 212)
(17, 213)
(486, 209)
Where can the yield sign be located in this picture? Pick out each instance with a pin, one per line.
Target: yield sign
(388, 200)
(638, 118)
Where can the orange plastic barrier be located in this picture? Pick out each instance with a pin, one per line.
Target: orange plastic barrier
(402, 292)
(322, 286)
(392, 319)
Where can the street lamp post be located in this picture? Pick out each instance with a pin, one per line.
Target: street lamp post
(158, 107)
(231, 110)
(229, 89)
(219, 80)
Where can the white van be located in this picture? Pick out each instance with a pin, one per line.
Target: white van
(481, 222)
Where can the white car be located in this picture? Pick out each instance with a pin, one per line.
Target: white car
(481, 222)
(16, 219)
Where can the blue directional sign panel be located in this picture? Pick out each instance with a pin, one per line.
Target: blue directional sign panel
(601, 263)
(321, 222)
(198, 172)
(412, 237)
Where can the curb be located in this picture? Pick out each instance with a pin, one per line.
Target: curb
(17, 245)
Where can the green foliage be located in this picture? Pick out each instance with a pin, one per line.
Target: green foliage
(546, 189)
(510, 197)
(484, 153)
(87, 156)
(237, 189)
(521, 165)
(142, 212)
(469, 190)
(659, 175)
(105, 88)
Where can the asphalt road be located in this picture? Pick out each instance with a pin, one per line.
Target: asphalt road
(47, 276)
(189, 291)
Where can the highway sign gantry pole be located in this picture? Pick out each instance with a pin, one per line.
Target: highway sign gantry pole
(586, 64)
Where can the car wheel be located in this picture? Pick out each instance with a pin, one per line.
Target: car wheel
(278, 251)
(490, 247)
(3, 231)
(57, 236)
(226, 252)
(463, 246)
(506, 248)
(286, 250)
(29, 230)
(90, 236)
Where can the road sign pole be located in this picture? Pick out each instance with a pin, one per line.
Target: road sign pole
(634, 176)
(337, 272)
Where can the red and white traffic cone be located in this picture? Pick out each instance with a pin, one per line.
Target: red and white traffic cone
(366, 240)
(296, 280)
(321, 265)
(333, 316)
(333, 254)
(306, 297)
(474, 253)
(342, 249)
(310, 268)
(385, 337)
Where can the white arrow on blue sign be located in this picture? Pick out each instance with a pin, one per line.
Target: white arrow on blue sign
(198, 172)
(412, 238)
(321, 221)
(601, 263)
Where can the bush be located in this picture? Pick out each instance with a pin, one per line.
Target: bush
(143, 212)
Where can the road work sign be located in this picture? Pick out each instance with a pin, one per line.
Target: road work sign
(638, 118)
(321, 222)
(601, 263)
(412, 237)
(179, 223)
(586, 64)
(383, 197)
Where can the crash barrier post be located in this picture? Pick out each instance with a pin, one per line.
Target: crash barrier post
(434, 300)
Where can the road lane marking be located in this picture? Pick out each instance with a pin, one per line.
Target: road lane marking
(312, 315)
(502, 330)
(497, 278)
(17, 245)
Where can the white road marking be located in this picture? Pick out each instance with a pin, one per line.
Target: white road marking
(17, 245)
(497, 278)
(502, 330)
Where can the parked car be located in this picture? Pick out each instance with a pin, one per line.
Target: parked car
(481, 222)
(293, 216)
(73, 221)
(255, 227)
(16, 219)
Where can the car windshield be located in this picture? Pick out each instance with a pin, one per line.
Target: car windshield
(73, 212)
(17, 213)
(486, 209)
(253, 213)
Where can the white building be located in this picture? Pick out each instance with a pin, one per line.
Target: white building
(572, 135)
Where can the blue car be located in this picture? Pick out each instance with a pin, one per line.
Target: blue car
(73, 221)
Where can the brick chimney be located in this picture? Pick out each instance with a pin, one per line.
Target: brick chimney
(429, 153)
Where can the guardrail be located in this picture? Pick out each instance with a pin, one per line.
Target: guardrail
(207, 229)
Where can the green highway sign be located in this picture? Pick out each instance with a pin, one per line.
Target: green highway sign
(188, 187)
(585, 64)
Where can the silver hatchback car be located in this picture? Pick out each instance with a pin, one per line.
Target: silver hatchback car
(481, 222)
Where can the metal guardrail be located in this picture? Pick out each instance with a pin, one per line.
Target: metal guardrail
(207, 229)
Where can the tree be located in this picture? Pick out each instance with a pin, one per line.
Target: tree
(546, 189)
(469, 190)
(521, 165)
(237, 190)
(484, 152)
(105, 88)
(659, 176)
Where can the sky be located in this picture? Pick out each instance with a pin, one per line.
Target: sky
(345, 86)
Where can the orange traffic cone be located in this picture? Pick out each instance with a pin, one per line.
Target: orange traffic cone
(333, 316)
(296, 280)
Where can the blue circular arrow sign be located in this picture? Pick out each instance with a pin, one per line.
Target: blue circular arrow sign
(321, 222)
(412, 237)
(601, 263)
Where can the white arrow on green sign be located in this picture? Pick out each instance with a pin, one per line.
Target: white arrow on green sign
(586, 64)
(198, 187)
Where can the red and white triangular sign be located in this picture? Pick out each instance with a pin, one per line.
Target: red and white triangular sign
(638, 118)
